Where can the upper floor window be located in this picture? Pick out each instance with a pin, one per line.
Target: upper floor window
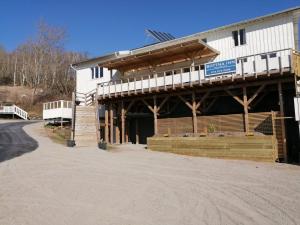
(239, 37)
(97, 72)
(204, 40)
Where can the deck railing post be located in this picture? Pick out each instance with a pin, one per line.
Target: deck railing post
(254, 68)
(181, 82)
(242, 65)
(267, 65)
(280, 65)
(165, 87)
(142, 85)
(149, 83)
(128, 91)
(199, 76)
(190, 76)
(109, 89)
(173, 85)
(135, 86)
(156, 85)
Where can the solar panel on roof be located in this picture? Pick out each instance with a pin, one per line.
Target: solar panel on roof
(160, 36)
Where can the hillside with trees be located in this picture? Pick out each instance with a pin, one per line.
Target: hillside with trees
(41, 64)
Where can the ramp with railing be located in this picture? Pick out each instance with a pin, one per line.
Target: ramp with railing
(14, 111)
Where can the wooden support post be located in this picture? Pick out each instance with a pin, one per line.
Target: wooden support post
(118, 125)
(281, 104)
(246, 114)
(117, 134)
(126, 131)
(122, 123)
(194, 113)
(111, 124)
(155, 115)
(136, 131)
(106, 124)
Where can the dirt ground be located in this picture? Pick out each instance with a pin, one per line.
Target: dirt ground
(57, 185)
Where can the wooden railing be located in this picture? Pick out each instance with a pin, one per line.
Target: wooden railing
(251, 65)
(86, 98)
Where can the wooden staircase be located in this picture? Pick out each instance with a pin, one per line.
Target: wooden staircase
(85, 126)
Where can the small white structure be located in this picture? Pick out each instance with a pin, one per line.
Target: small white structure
(60, 110)
(13, 110)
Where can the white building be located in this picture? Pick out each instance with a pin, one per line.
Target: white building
(239, 60)
(275, 34)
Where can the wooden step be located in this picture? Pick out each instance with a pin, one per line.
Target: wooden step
(85, 126)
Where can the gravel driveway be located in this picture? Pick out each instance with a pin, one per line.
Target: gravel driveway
(57, 185)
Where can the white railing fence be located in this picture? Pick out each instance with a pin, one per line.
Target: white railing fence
(57, 109)
(57, 104)
(14, 110)
(86, 98)
(252, 65)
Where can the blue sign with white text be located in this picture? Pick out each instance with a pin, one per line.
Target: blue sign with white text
(222, 67)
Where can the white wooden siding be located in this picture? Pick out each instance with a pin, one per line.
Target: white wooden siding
(267, 35)
(264, 36)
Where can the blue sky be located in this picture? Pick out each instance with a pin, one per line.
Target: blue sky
(100, 27)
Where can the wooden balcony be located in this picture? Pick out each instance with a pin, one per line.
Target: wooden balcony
(249, 67)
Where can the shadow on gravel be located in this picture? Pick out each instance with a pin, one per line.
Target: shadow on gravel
(14, 141)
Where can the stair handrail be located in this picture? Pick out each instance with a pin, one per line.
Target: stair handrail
(87, 98)
(20, 112)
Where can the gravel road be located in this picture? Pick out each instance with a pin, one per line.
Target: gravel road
(133, 186)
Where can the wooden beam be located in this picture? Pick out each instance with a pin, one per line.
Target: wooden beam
(162, 103)
(111, 124)
(281, 104)
(122, 123)
(130, 105)
(185, 101)
(256, 93)
(259, 100)
(246, 114)
(148, 105)
(106, 124)
(174, 106)
(137, 132)
(202, 99)
(194, 113)
(210, 104)
(118, 125)
(155, 115)
(235, 97)
(126, 131)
